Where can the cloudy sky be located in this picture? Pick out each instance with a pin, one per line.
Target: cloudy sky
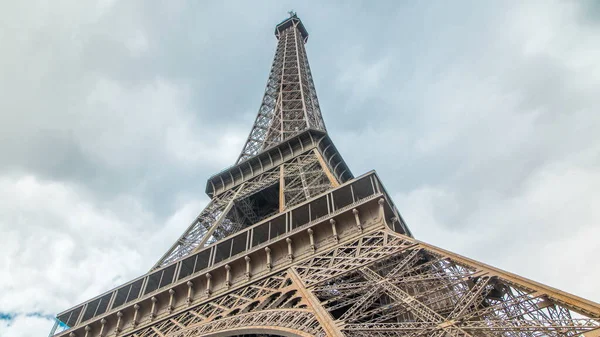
(480, 117)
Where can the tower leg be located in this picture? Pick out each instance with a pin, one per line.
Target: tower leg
(321, 314)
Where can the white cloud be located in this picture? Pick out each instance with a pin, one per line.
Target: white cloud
(124, 127)
(58, 244)
(547, 232)
(360, 74)
(516, 132)
(138, 43)
(489, 118)
(59, 248)
(25, 326)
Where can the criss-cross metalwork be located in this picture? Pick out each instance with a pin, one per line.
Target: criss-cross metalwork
(391, 285)
(292, 244)
(290, 103)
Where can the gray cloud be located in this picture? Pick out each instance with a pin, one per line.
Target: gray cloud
(480, 119)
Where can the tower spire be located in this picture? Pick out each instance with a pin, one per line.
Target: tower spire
(289, 105)
(293, 244)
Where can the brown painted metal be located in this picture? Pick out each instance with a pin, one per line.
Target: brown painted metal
(291, 244)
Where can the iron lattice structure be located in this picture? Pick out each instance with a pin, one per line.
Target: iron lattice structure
(290, 103)
(293, 244)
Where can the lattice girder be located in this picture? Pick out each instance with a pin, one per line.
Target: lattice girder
(302, 176)
(292, 244)
(454, 298)
(311, 166)
(237, 271)
(359, 280)
(290, 103)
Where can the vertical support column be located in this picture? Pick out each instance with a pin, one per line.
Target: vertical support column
(357, 219)
(300, 77)
(136, 312)
(324, 318)
(281, 188)
(268, 251)
(153, 309)
(227, 276)
(325, 169)
(290, 249)
(208, 290)
(171, 299)
(118, 326)
(334, 230)
(248, 267)
(381, 202)
(393, 225)
(190, 295)
(312, 239)
(102, 325)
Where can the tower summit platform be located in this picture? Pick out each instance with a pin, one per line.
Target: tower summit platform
(293, 20)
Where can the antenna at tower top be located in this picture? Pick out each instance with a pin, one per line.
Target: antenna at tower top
(292, 14)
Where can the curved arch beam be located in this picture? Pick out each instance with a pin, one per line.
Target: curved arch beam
(284, 322)
(260, 330)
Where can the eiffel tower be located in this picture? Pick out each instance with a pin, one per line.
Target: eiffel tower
(293, 244)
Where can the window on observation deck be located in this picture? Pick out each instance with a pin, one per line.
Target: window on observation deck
(194, 263)
(127, 293)
(277, 227)
(70, 318)
(343, 197)
(238, 244)
(160, 279)
(230, 247)
(260, 234)
(363, 188)
(96, 307)
(300, 216)
(318, 208)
